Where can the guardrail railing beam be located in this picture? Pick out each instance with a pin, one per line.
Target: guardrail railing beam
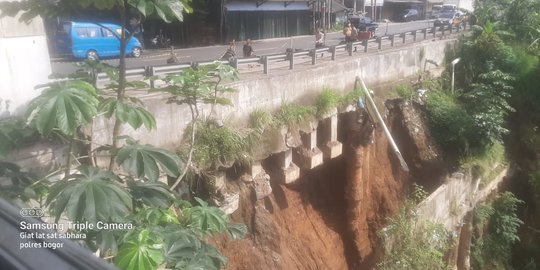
(155, 71)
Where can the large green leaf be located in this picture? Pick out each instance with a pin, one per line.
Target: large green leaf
(237, 230)
(91, 195)
(64, 106)
(206, 219)
(153, 194)
(145, 161)
(128, 112)
(141, 252)
(167, 10)
(183, 250)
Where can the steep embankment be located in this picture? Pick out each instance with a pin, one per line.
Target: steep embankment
(328, 219)
(301, 226)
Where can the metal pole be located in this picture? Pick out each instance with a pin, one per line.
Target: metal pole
(386, 131)
(452, 88)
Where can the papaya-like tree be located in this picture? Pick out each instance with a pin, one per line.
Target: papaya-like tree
(167, 10)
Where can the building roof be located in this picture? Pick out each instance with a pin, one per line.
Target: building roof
(266, 5)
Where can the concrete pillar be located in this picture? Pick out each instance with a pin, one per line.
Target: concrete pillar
(289, 171)
(331, 148)
(309, 155)
(261, 180)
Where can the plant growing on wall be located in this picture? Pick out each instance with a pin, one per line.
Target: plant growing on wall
(413, 244)
(196, 88)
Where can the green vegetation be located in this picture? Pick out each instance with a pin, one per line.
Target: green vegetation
(450, 123)
(404, 91)
(496, 230)
(413, 244)
(166, 231)
(486, 165)
(292, 114)
(325, 102)
(216, 147)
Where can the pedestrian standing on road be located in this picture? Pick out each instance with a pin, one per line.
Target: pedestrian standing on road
(247, 49)
(347, 31)
(319, 39)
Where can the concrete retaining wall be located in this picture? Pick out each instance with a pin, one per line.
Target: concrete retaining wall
(449, 204)
(301, 86)
(24, 63)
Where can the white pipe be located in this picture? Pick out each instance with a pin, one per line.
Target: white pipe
(386, 131)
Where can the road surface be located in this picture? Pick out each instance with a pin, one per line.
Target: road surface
(261, 47)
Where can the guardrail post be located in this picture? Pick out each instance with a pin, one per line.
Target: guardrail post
(451, 28)
(291, 59)
(333, 52)
(434, 30)
(392, 40)
(265, 64)
(313, 53)
(443, 28)
(151, 74)
(414, 35)
(349, 48)
(424, 31)
(403, 35)
(379, 43)
(365, 43)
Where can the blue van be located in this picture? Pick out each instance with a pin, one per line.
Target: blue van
(84, 40)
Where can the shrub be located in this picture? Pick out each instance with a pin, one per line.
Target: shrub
(449, 123)
(217, 146)
(493, 249)
(325, 102)
(483, 163)
(413, 244)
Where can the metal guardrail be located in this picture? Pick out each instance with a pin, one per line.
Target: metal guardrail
(292, 57)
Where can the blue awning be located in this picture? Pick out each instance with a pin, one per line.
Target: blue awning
(267, 6)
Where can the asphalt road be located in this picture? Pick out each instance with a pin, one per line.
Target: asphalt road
(260, 47)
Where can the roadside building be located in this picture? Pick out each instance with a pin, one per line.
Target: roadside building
(274, 18)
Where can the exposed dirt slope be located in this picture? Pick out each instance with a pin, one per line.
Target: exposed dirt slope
(374, 191)
(297, 227)
(330, 217)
